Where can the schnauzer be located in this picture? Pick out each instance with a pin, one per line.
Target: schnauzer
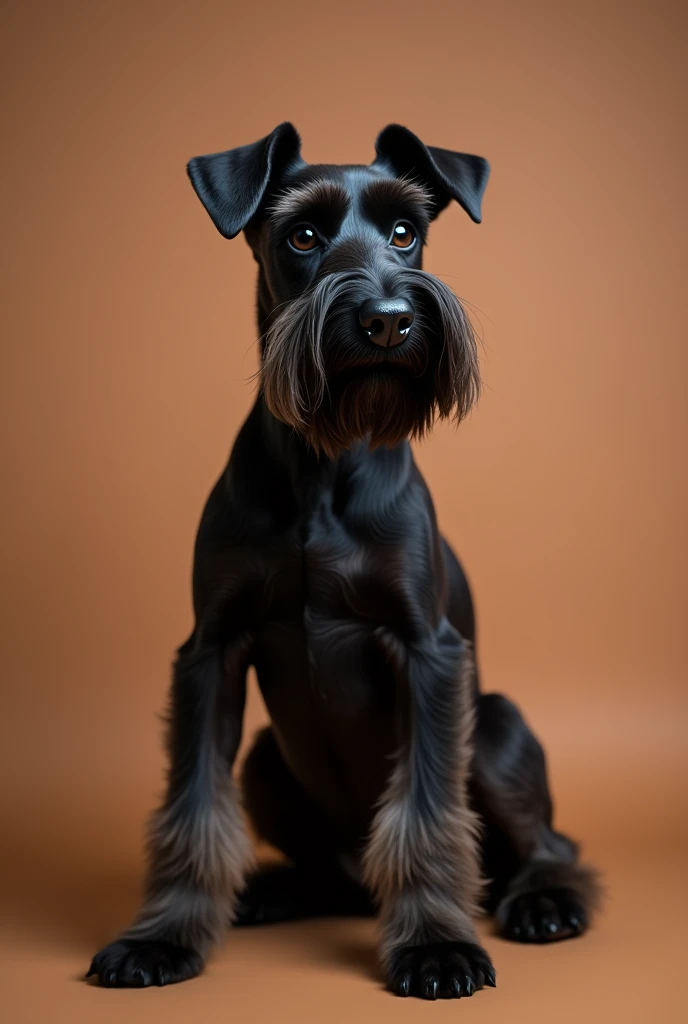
(391, 785)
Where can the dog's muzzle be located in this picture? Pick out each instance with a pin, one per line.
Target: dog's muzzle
(341, 364)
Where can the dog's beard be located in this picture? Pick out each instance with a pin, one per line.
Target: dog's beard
(322, 377)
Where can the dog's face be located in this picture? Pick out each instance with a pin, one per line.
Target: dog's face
(356, 340)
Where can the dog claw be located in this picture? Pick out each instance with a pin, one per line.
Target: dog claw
(431, 989)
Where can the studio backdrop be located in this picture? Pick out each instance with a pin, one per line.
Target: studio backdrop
(128, 359)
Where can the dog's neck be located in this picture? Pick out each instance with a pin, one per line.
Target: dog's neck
(378, 474)
(264, 304)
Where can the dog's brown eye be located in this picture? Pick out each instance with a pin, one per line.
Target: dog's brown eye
(303, 238)
(403, 235)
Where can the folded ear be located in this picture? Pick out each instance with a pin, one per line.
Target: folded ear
(448, 175)
(231, 185)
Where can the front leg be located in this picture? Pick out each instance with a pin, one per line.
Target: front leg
(422, 858)
(198, 849)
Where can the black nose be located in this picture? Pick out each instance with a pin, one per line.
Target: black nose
(386, 321)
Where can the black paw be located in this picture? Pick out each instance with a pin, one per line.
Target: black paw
(444, 970)
(545, 916)
(135, 963)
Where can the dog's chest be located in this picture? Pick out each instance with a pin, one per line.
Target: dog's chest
(321, 670)
(335, 565)
(325, 604)
(351, 563)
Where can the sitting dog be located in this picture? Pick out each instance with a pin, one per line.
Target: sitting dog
(388, 781)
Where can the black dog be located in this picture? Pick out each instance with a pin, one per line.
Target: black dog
(385, 775)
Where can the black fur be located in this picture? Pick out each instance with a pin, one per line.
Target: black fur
(318, 560)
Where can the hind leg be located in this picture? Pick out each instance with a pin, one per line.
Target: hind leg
(319, 882)
(539, 892)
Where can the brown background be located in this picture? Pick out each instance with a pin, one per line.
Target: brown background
(126, 354)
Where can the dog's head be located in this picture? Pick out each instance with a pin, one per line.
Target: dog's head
(356, 339)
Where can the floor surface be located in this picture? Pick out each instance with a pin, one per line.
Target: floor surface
(628, 968)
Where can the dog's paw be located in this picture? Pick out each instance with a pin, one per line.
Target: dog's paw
(545, 916)
(445, 970)
(137, 963)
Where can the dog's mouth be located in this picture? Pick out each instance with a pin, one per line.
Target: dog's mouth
(386, 371)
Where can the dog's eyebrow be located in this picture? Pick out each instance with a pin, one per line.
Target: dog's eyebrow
(395, 192)
(328, 196)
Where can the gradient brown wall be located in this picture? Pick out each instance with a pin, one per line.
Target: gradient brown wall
(130, 339)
